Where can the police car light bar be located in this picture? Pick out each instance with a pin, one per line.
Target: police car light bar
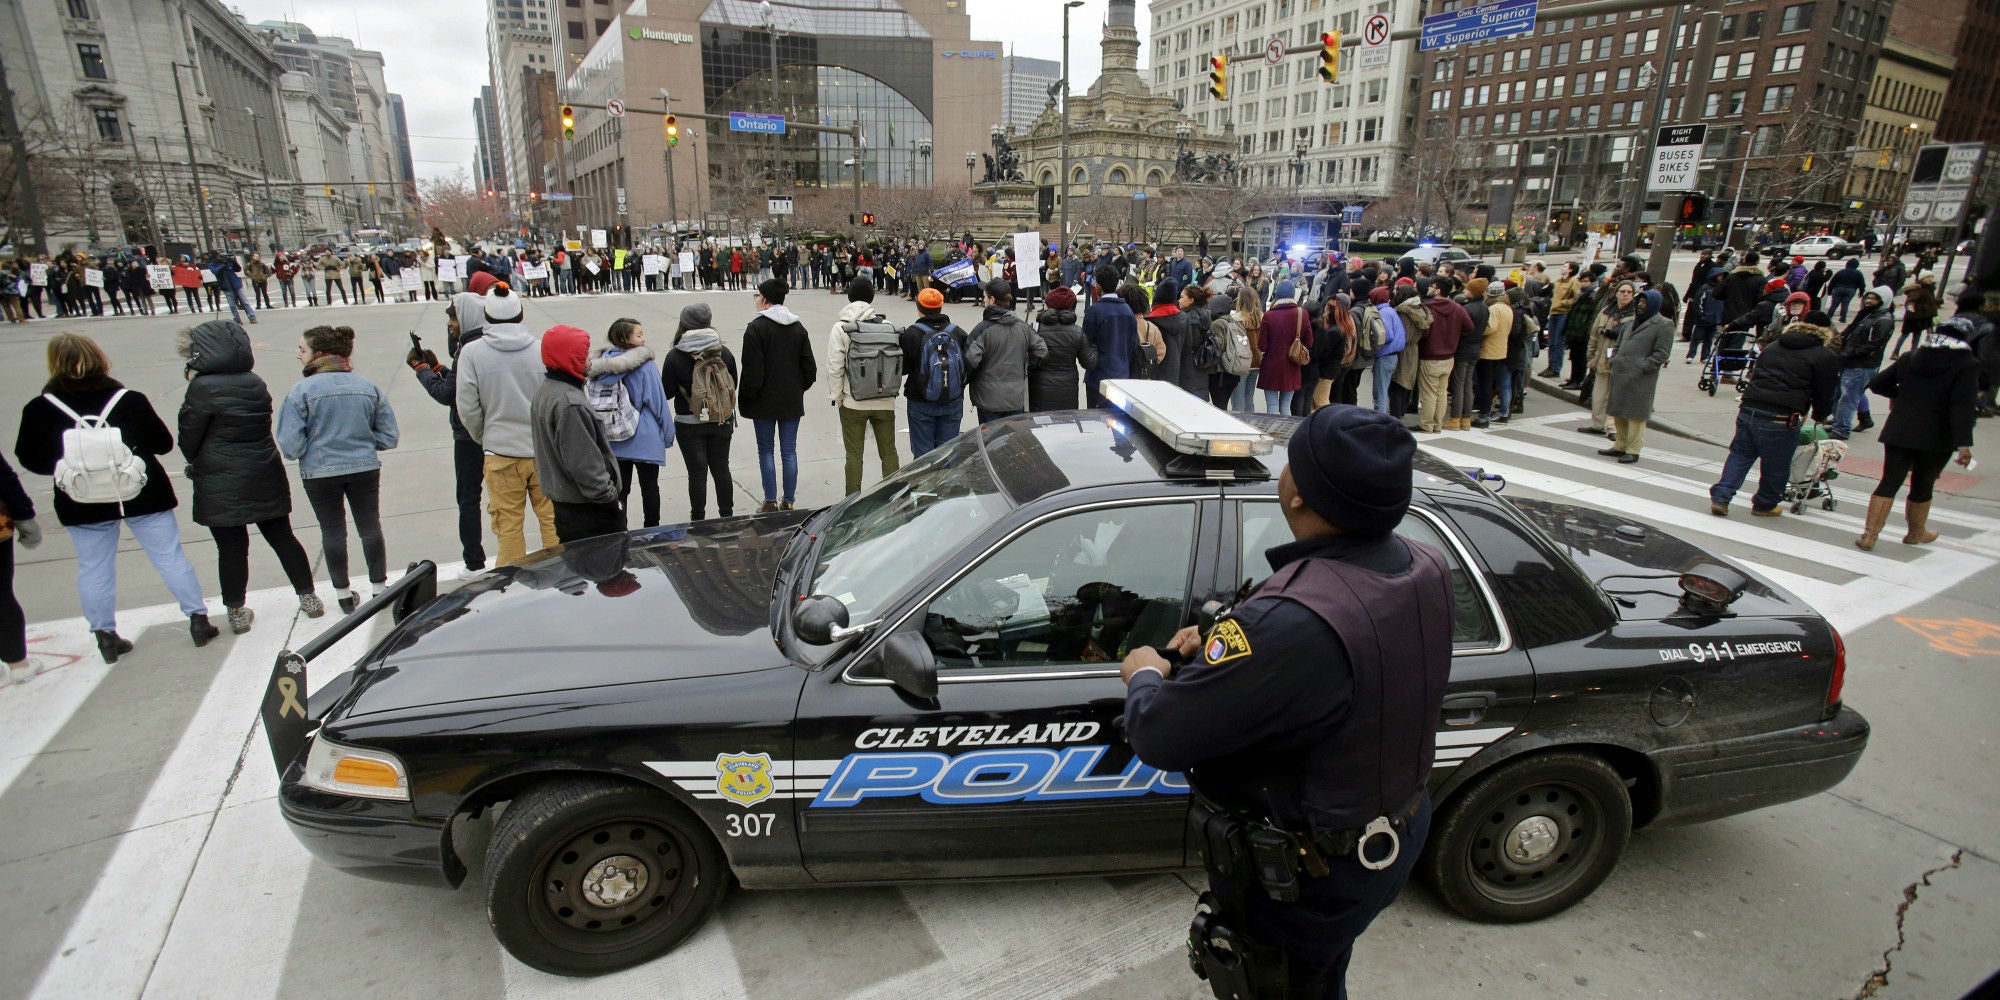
(1188, 425)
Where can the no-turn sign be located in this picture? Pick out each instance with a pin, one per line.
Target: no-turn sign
(1274, 53)
(1374, 53)
(615, 108)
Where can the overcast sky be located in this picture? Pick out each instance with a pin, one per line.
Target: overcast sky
(435, 53)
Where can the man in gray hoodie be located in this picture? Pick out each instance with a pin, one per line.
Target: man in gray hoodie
(465, 320)
(497, 378)
(998, 354)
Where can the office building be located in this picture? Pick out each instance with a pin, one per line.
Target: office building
(1025, 89)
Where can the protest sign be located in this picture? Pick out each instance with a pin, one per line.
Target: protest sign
(160, 276)
(93, 277)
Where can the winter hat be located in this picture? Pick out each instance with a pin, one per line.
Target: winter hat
(1799, 298)
(1380, 295)
(696, 316)
(1957, 328)
(1167, 293)
(1060, 298)
(1346, 301)
(1351, 465)
(1773, 285)
(480, 282)
(1817, 318)
(1883, 292)
(1412, 282)
(565, 349)
(1476, 288)
(1509, 284)
(1493, 291)
(931, 299)
(1926, 277)
(502, 306)
(861, 290)
(1286, 290)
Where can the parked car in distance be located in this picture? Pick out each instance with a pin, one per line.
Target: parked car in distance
(1443, 253)
(1830, 247)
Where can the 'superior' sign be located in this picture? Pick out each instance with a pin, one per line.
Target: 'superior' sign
(1677, 157)
(767, 124)
(1498, 19)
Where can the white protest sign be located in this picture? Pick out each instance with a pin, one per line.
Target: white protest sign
(38, 274)
(651, 264)
(687, 261)
(447, 270)
(160, 276)
(463, 270)
(207, 276)
(597, 239)
(411, 281)
(1592, 245)
(93, 277)
(591, 266)
(534, 272)
(1028, 260)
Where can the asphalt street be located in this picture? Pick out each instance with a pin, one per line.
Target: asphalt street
(141, 852)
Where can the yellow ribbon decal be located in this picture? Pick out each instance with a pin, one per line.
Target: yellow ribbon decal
(289, 688)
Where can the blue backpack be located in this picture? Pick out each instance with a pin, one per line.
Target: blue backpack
(943, 365)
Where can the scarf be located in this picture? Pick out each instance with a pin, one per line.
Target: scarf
(1170, 309)
(327, 363)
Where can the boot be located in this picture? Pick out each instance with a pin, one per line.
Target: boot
(200, 630)
(111, 646)
(240, 619)
(1864, 420)
(1914, 515)
(1878, 515)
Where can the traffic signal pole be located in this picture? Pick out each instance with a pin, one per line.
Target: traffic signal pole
(1667, 230)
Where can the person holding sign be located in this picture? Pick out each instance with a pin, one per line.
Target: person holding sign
(11, 284)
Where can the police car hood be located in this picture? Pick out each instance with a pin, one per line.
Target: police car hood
(1639, 565)
(661, 604)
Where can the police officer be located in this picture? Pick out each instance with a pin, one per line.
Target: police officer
(1306, 720)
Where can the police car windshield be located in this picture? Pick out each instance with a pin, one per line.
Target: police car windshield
(885, 539)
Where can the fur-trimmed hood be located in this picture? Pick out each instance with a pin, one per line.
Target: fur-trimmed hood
(608, 360)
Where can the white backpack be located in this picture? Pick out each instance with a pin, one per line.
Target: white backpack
(96, 466)
(612, 404)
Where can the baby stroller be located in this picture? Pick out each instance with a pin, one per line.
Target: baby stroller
(1734, 357)
(1815, 465)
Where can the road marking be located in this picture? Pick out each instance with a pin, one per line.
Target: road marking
(1960, 637)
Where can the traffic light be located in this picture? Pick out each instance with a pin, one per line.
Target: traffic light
(1329, 56)
(329, 190)
(673, 131)
(1694, 208)
(569, 122)
(371, 189)
(868, 218)
(1218, 77)
(1805, 165)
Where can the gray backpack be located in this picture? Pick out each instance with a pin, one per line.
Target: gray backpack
(874, 359)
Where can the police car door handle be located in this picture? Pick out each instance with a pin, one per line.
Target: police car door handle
(1472, 703)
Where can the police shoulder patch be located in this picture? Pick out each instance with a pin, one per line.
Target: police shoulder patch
(1227, 641)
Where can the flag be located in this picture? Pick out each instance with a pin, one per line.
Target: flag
(957, 274)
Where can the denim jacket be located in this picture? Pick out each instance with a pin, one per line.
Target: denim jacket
(333, 423)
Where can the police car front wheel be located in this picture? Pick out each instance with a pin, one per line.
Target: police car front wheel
(591, 875)
(1530, 839)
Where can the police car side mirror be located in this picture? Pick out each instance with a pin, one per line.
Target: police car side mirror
(905, 660)
(818, 617)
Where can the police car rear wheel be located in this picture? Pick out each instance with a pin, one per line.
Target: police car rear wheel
(591, 876)
(1530, 839)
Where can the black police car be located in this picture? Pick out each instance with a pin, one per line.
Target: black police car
(921, 682)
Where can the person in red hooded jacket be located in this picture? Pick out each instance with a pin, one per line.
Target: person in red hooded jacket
(573, 458)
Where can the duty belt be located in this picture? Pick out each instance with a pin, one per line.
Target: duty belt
(1229, 839)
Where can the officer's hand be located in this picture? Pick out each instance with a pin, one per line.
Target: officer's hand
(1144, 656)
(415, 359)
(1186, 642)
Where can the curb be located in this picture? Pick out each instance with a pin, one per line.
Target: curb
(1664, 426)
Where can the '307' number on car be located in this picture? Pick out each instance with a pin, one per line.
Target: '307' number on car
(750, 824)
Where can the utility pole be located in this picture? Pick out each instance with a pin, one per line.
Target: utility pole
(31, 205)
(194, 168)
(257, 129)
(173, 217)
(1694, 109)
(1063, 223)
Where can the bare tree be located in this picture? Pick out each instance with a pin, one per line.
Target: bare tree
(69, 167)
(452, 204)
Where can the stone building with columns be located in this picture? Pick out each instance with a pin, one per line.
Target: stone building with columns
(1124, 140)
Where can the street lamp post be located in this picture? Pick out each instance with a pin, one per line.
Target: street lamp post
(923, 147)
(257, 130)
(1063, 223)
(970, 160)
(194, 167)
(1299, 171)
(1729, 234)
(1549, 215)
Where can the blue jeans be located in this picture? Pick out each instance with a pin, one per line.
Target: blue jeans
(1702, 343)
(1853, 399)
(1278, 400)
(1556, 342)
(1385, 373)
(97, 565)
(932, 424)
(787, 434)
(1841, 297)
(1244, 399)
(235, 299)
(1763, 442)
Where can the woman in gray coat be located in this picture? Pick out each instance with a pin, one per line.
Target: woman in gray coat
(1642, 346)
(239, 480)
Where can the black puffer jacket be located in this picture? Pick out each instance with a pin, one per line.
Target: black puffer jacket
(39, 445)
(1862, 343)
(1052, 380)
(226, 432)
(1936, 390)
(1796, 373)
